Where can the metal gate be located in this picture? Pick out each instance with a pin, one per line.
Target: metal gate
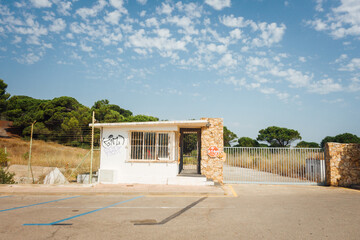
(274, 165)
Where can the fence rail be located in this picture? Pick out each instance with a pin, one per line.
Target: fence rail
(274, 165)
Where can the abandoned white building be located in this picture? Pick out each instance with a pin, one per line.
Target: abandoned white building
(152, 152)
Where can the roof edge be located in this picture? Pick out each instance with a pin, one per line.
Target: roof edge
(187, 123)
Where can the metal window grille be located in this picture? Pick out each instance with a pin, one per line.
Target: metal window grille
(149, 146)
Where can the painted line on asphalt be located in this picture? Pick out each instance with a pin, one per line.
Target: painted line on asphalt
(57, 200)
(233, 191)
(79, 215)
(5, 196)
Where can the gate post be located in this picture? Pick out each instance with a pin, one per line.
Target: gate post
(212, 135)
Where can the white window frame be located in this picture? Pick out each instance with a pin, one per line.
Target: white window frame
(170, 150)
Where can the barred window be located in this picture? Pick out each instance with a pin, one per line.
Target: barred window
(149, 146)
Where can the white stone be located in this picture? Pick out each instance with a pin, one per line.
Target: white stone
(55, 177)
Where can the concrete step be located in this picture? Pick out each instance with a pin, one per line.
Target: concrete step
(196, 181)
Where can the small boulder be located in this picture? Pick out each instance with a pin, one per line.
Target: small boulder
(55, 177)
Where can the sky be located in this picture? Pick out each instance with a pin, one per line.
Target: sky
(255, 63)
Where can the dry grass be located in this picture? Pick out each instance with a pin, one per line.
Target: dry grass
(48, 154)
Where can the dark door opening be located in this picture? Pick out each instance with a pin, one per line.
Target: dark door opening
(190, 151)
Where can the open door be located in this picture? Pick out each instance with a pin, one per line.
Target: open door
(190, 151)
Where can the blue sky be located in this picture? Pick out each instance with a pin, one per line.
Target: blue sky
(293, 64)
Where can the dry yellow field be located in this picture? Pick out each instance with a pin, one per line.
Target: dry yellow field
(48, 154)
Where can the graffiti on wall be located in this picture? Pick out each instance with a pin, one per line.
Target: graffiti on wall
(112, 144)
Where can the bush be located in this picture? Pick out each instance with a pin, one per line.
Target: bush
(6, 177)
(3, 158)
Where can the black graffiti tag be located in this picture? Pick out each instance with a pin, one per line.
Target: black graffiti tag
(112, 145)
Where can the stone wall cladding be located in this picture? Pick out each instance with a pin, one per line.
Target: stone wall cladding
(342, 164)
(212, 167)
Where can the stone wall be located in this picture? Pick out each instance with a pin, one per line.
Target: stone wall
(342, 164)
(212, 167)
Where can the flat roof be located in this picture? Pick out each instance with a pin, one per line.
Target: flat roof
(184, 123)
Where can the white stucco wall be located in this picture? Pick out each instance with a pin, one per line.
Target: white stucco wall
(115, 156)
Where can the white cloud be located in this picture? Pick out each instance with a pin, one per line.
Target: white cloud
(191, 10)
(341, 58)
(165, 9)
(113, 17)
(119, 5)
(353, 65)
(16, 40)
(30, 58)
(142, 13)
(270, 34)
(342, 21)
(112, 38)
(91, 12)
(302, 59)
(217, 48)
(234, 81)
(20, 4)
(236, 33)
(226, 61)
(185, 23)
(33, 39)
(318, 24)
(142, 2)
(162, 42)
(231, 21)
(140, 51)
(318, 6)
(297, 78)
(325, 86)
(151, 22)
(85, 48)
(41, 3)
(63, 7)
(354, 85)
(218, 4)
(112, 62)
(58, 25)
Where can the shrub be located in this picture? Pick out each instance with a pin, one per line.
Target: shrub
(3, 158)
(6, 177)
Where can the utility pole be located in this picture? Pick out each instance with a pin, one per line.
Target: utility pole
(92, 147)
(29, 162)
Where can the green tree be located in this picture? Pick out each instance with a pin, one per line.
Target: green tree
(304, 144)
(106, 112)
(141, 118)
(189, 143)
(341, 138)
(3, 96)
(278, 136)
(228, 136)
(247, 142)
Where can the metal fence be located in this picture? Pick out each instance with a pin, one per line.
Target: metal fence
(274, 165)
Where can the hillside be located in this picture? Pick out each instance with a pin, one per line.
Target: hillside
(48, 154)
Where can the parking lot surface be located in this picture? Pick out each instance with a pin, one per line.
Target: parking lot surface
(254, 212)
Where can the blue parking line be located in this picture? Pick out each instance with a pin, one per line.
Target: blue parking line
(9, 209)
(5, 196)
(79, 215)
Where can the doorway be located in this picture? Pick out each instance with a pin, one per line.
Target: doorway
(190, 151)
